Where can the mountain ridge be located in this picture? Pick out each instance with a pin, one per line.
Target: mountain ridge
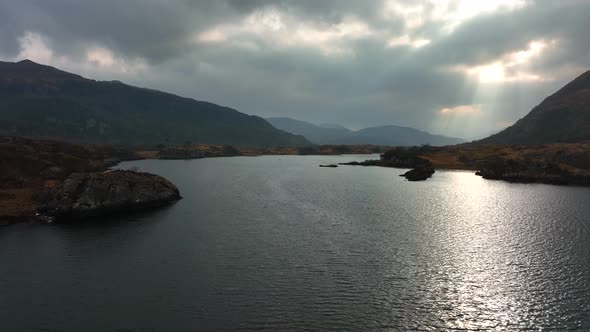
(564, 116)
(378, 135)
(42, 101)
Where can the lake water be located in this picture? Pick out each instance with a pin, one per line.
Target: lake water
(277, 243)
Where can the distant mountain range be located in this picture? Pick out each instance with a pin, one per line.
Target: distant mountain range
(382, 135)
(42, 101)
(561, 117)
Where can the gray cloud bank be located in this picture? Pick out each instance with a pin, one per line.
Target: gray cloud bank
(458, 67)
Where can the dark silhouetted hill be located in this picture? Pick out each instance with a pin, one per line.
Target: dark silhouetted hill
(42, 101)
(561, 117)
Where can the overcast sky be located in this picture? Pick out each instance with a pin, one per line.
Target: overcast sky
(463, 68)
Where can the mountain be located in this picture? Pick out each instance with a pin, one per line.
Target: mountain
(331, 125)
(316, 134)
(396, 135)
(42, 101)
(561, 117)
(382, 135)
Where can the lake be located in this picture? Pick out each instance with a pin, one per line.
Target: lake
(277, 243)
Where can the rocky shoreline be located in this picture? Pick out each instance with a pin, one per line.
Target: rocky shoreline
(44, 180)
(421, 168)
(419, 174)
(557, 164)
(88, 195)
(198, 151)
(518, 171)
(32, 170)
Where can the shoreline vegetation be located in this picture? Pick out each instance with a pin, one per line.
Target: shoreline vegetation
(557, 164)
(32, 170)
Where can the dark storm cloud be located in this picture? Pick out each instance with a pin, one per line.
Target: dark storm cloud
(325, 61)
(326, 9)
(490, 36)
(153, 29)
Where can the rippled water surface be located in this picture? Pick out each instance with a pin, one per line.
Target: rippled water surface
(278, 243)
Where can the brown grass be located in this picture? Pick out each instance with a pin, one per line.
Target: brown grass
(17, 202)
(467, 156)
(148, 154)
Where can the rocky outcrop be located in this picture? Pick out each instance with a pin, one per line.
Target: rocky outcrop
(363, 163)
(422, 169)
(524, 171)
(419, 174)
(85, 195)
(400, 157)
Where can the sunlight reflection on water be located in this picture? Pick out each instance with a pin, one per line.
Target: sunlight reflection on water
(276, 243)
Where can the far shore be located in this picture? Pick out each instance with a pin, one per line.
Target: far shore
(32, 166)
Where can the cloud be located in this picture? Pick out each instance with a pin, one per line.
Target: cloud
(405, 40)
(33, 46)
(359, 63)
(511, 67)
(461, 109)
(270, 28)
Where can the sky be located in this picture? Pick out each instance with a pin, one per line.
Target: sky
(463, 68)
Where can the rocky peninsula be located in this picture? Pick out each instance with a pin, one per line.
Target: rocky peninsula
(53, 180)
(558, 164)
(521, 171)
(86, 195)
(421, 168)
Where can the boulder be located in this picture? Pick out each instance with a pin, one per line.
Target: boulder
(85, 195)
(362, 163)
(419, 173)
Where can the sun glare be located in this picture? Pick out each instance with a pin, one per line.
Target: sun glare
(511, 67)
(491, 73)
(462, 109)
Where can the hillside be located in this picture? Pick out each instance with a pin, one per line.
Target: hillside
(562, 117)
(42, 101)
(382, 135)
